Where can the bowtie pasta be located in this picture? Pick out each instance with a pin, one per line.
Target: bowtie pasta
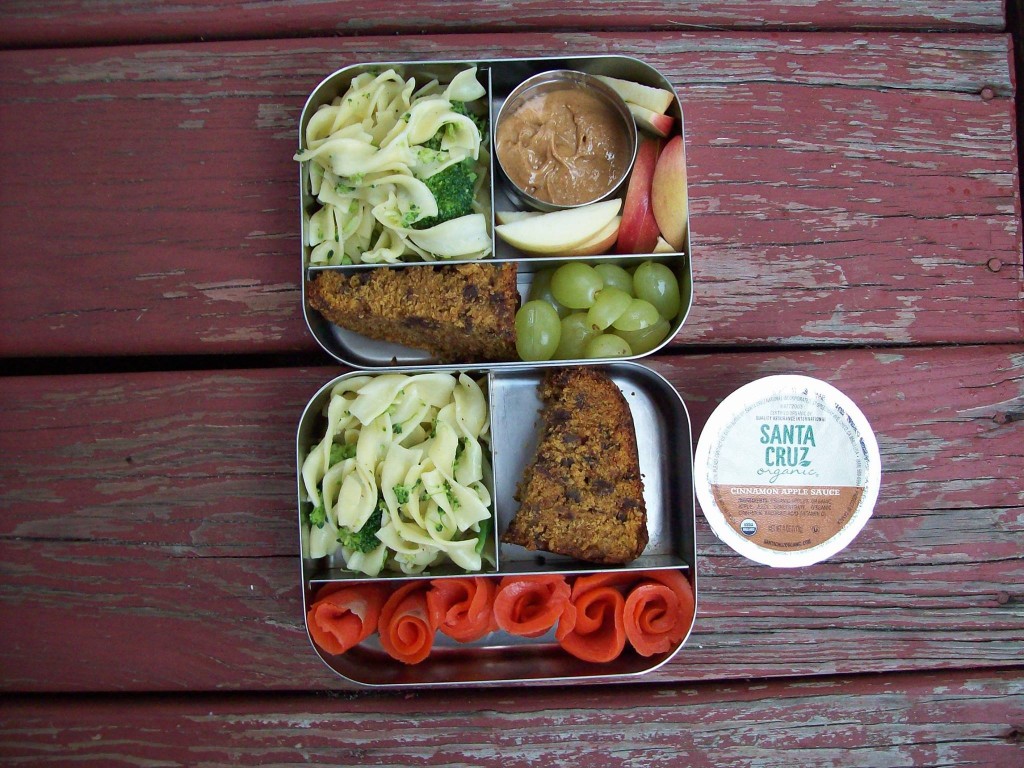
(397, 482)
(381, 158)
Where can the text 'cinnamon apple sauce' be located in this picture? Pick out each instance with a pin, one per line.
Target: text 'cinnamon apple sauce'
(565, 146)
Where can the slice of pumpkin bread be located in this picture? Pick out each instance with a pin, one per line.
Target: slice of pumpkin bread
(458, 313)
(582, 495)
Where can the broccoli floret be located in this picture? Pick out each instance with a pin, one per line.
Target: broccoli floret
(318, 516)
(365, 539)
(411, 215)
(342, 452)
(453, 189)
(459, 450)
(480, 120)
(454, 502)
(434, 142)
(402, 493)
(459, 108)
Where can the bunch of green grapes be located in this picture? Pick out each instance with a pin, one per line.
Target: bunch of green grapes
(578, 311)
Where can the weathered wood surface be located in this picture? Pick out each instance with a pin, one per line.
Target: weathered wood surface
(52, 23)
(845, 188)
(148, 535)
(949, 719)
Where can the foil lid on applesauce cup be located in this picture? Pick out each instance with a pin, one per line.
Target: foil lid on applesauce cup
(787, 471)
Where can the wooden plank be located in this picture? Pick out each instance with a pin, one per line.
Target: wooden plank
(951, 719)
(158, 510)
(844, 188)
(53, 23)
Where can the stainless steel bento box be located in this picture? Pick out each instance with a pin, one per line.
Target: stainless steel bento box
(664, 445)
(513, 405)
(499, 77)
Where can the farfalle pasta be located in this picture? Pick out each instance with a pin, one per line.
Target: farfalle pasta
(371, 154)
(397, 482)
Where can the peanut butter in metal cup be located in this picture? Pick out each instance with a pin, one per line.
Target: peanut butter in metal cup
(564, 139)
(787, 471)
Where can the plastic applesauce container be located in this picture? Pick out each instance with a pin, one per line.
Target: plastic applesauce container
(787, 471)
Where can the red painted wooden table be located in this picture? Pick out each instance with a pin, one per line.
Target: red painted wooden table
(856, 216)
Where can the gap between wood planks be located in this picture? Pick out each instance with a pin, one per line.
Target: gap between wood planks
(178, 36)
(707, 688)
(1015, 25)
(67, 366)
(669, 26)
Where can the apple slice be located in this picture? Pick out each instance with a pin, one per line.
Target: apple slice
(655, 99)
(662, 246)
(559, 231)
(668, 192)
(639, 230)
(648, 119)
(507, 217)
(599, 243)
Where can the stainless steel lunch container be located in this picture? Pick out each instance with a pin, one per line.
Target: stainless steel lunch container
(500, 78)
(664, 445)
(660, 418)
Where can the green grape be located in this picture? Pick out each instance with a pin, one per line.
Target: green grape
(646, 339)
(639, 314)
(606, 345)
(537, 330)
(540, 289)
(608, 304)
(657, 284)
(576, 332)
(574, 285)
(615, 276)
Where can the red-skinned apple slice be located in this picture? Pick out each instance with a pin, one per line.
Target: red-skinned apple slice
(662, 246)
(668, 192)
(658, 124)
(655, 99)
(639, 231)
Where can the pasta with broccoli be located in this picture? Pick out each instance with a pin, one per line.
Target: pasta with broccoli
(398, 172)
(398, 480)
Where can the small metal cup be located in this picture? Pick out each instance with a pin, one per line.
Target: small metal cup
(555, 80)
